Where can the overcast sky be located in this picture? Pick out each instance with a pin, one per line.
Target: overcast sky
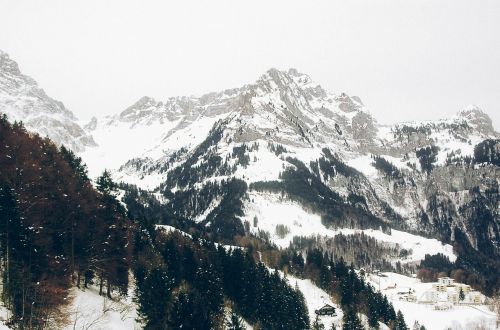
(407, 60)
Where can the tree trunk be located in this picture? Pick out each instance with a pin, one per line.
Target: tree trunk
(100, 285)
(73, 254)
(108, 289)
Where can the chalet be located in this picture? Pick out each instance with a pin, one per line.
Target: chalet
(326, 310)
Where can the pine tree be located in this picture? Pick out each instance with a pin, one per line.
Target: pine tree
(13, 247)
(351, 320)
(317, 325)
(461, 295)
(417, 326)
(181, 315)
(400, 323)
(152, 294)
(106, 185)
(76, 163)
(235, 322)
(209, 285)
(373, 312)
(110, 247)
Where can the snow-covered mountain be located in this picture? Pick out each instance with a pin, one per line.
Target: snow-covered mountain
(21, 99)
(418, 177)
(284, 133)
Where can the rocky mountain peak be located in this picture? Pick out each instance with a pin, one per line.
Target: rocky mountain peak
(145, 103)
(7, 65)
(475, 116)
(22, 99)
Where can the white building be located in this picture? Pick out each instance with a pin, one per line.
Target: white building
(465, 288)
(453, 298)
(475, 297)
(446, 281)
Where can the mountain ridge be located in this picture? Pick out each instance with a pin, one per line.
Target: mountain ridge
(23, 100)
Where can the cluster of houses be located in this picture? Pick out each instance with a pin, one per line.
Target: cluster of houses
(444, 294)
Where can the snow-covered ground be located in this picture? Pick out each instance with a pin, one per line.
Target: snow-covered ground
(3, 317)
(90, 311)
(458, 317)
(272, 210)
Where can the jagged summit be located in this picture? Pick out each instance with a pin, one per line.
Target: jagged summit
(22, 99)
(478, 118)
(7, 65)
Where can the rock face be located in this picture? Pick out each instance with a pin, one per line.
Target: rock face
(21, 99)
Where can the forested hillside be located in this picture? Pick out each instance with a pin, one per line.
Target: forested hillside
(56, 230)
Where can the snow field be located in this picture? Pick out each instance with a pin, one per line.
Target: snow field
(272, 210)
(90, 311)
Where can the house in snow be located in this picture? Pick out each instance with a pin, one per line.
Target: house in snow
(326, 310)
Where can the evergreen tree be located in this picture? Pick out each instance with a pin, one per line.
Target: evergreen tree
(112, 266)
(76, 163)
(209, 285)
(373, 312)
(152, 293)
(14, 246)
(235, 322)
(417, 326)
(351, 320)
(317, 325)
(181, 315)
(461, 295)
(106, 185)
(400, 323)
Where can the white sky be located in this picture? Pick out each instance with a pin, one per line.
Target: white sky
(414, 59)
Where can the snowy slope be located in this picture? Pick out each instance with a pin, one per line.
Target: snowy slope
(90, 311)
(316, 298)
(272, 210)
